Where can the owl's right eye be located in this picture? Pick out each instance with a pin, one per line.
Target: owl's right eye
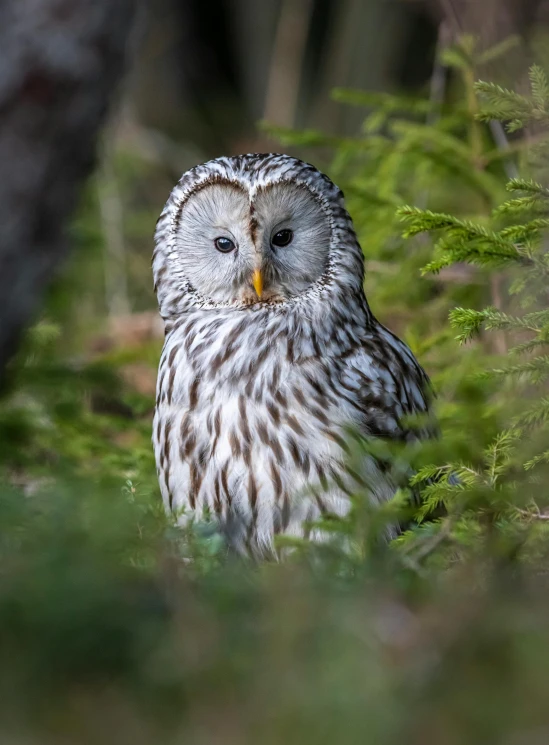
(225, 245)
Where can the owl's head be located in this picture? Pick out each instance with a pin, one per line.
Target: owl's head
(254, 230)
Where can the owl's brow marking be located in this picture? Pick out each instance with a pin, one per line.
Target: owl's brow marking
(253, 223)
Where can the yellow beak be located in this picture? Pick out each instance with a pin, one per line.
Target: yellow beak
(257, 281)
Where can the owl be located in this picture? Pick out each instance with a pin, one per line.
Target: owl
(271, 353)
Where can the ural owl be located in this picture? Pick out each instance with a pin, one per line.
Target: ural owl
(271, 352)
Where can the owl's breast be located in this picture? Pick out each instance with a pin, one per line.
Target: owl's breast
(260, 446)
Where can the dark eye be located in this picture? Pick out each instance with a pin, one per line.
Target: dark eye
(225, 245)
(282, 238)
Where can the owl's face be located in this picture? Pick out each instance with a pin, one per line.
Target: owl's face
(240, 245)
(264, 230)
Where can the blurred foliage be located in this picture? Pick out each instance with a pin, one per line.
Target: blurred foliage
(117, 627)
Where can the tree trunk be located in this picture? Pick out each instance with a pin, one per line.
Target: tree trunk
(60, 61)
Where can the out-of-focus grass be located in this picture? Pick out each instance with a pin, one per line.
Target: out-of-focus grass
(107, 635)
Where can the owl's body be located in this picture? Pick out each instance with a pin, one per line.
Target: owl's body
(257, 390)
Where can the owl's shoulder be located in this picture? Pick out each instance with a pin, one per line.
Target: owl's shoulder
(386, 382)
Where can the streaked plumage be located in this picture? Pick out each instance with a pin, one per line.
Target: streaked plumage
(254, 397)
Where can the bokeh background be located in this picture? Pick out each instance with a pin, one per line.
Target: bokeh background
(203, 77)
(115, 626)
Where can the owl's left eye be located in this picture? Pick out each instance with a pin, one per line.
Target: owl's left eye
(282, 238)
(225, 245)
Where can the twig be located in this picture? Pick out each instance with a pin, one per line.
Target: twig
(538, 515)
(429, 546)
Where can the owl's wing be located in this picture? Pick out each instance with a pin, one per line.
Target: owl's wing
(386, 385)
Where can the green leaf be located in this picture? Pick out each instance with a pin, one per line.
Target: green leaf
(540, 87)
(528, 185)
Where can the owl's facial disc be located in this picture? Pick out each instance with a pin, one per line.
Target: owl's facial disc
(265, 248)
